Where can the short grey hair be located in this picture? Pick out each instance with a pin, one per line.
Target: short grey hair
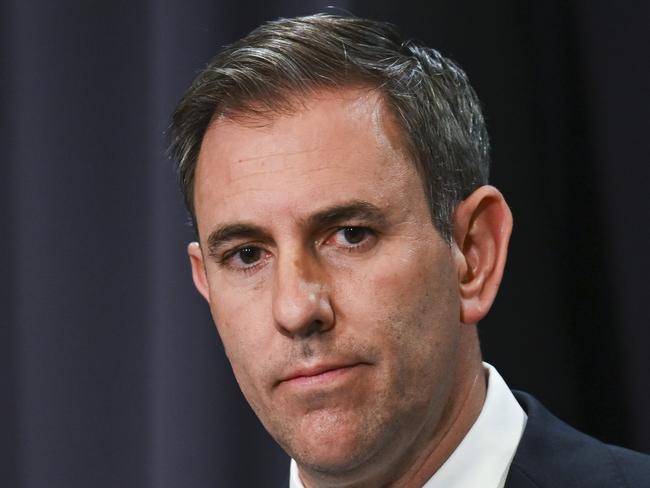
(428, 95)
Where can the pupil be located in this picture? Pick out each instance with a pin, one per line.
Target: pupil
(249, 255)
(354, 235)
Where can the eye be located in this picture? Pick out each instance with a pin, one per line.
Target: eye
(351, 237)
(249, 255)
(244, 258)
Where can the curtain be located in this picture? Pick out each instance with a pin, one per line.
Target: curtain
(112, 372)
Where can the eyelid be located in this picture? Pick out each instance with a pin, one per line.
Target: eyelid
(372, 234)
(224, 258)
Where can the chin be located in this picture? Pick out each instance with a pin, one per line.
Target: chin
(334, 461)
(333, 443)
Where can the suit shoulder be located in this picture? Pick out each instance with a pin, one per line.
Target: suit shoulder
(634, 466)
(551, 454)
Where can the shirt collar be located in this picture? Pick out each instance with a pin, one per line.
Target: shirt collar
(484, 455)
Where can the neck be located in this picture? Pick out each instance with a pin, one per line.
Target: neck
(457, 420)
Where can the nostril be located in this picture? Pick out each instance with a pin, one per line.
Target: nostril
(315, 327)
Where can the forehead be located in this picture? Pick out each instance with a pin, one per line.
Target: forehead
(338, 144)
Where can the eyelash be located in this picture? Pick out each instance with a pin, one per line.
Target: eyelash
(368, 234)
(225, 259)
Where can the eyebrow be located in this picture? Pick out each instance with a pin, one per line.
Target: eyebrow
(356, 209)
(230, 232)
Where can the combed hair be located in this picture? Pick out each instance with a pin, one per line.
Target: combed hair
(428, 95)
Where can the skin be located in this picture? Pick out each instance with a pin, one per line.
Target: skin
(348, 320)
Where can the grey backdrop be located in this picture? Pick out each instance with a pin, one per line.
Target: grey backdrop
(112, 373)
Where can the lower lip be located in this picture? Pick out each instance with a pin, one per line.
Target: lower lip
(321, 379)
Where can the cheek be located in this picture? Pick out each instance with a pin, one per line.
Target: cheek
(244, 335)
(409, 310)
(419, 287)
(238, 313)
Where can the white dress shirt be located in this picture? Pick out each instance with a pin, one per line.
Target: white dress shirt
(484, 455)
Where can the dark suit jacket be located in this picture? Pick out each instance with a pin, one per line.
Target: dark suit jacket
(553, 455)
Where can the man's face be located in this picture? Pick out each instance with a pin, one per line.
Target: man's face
(335, 297)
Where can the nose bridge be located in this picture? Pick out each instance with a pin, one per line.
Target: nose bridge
(301, 302)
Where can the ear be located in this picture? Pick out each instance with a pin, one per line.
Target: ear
(198, 269)
(482, 227)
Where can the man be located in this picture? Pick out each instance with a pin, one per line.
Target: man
(348, 245)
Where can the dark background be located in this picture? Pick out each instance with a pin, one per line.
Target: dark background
(112, 373)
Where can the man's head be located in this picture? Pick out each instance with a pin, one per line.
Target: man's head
(347, 312)
(280, 62)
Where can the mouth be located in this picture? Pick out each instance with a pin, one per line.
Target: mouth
(319, 375)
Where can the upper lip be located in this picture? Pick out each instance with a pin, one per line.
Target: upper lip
(313, 370)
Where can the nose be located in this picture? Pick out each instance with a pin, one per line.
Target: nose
(301, 297)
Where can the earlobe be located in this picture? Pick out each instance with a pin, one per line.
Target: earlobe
(198, 269)
(482, 227)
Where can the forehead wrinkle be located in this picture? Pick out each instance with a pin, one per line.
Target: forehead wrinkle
(280, 153)
(295, 166)
(270, 163)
